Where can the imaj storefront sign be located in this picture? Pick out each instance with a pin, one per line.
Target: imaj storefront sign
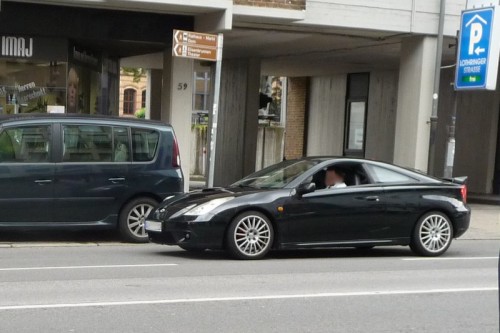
(478, 49)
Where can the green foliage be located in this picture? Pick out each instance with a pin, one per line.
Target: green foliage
(137, 73)
(141, 113)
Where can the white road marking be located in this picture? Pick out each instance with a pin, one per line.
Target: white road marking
(245, 298)
(450, 258)
(81, 267)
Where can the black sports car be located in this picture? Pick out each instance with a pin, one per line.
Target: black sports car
(288, 206)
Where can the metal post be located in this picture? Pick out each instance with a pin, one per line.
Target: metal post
(450, 144)
(215, 113)
(435, 95)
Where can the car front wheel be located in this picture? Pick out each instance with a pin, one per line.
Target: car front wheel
(432, 235)
(250, 236)
(132, 219)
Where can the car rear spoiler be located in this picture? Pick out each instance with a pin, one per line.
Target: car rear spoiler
(457, 180)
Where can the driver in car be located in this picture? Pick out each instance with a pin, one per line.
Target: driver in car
(334, 177)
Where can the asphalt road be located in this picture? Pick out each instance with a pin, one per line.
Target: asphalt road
(111, 287)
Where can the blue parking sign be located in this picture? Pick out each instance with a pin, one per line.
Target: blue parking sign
(474, 46)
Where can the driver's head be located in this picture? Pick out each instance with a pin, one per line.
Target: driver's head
(334, 176)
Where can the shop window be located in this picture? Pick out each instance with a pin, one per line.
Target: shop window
(143, 99)
(129, 101)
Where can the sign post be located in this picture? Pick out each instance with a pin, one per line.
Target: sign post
(208, 47)
(478, 49)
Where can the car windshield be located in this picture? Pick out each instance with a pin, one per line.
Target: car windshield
(276, 176)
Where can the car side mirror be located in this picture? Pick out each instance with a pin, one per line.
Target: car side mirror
(304, 189)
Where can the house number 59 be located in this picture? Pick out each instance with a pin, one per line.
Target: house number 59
(182, 86)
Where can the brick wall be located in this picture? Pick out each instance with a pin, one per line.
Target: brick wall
(295, 117)
(286, 4)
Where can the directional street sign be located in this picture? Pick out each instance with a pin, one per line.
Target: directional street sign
(195, 45)
(478, 49)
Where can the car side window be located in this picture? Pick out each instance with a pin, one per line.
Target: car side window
(87, 143)
(27, 144)
(384, 175)
(144, 144)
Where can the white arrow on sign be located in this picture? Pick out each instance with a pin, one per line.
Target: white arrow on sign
(476, 17)
(479, 50)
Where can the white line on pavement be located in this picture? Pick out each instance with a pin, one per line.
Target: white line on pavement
(245, 298)
(450, 258)
(82, 267)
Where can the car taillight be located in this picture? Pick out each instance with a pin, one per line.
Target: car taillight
(463, 192)
(176, 158)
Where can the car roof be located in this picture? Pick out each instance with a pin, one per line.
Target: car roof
(4, 119)
(323, 160)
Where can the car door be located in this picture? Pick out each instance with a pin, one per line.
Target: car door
(333, 216)
(402, 199)
(91, 177)
(26, 174)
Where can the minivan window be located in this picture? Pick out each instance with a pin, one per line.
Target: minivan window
(27, 144)
(87, 143)
(144, 144)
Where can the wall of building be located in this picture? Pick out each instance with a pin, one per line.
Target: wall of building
(285, 4)
(297, 89)
(476, 134)
(411, 16)
(381, 117)
(325, 130)
(127, 82)
(238, 121)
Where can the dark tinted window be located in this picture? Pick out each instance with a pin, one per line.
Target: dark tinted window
(90, 143)
(29, 144)
(144, 144)
(384, 175)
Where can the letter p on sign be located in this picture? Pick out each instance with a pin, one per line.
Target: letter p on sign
(476, 32)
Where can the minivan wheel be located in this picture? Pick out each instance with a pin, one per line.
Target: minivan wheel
(432, 235)
(250, 236)
(132, 219)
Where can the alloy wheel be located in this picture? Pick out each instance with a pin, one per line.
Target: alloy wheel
(136, 219)
(252, 235)
(435, 233)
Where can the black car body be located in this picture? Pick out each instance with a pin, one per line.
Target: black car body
(85, 172)
(382, 205)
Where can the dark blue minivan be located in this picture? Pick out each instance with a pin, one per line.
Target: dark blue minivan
(85, 172)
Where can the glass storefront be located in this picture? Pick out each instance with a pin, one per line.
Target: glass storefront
(39, 75)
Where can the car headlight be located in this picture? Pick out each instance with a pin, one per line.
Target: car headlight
(169, 197)
(182, 211)
(207, 206)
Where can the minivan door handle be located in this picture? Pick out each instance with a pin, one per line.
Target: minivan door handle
(116, 179)
(372, 198)
(43, 181)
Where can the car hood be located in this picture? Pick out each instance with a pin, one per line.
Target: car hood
(201, 196)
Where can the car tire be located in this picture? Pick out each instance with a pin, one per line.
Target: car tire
(432, 235)
(250, 236)
(132, 218)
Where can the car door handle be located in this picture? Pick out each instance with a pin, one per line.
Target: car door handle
(372, 198)
(117, 179)
(43, 181)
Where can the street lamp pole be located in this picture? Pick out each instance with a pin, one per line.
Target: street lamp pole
(435, 95)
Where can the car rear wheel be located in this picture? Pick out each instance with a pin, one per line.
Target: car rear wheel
(432, 235)
(250, 236)
(132, 219)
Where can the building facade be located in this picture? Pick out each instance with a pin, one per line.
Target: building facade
(360, 75)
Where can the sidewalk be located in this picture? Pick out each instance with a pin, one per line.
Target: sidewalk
(485, 222)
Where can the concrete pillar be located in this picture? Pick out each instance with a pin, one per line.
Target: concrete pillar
(176, 106)
(154, 94)
(238, 120)
(416, 76)
(326, 118)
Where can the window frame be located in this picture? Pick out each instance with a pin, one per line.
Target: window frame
(127, 102)
(50, 141)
